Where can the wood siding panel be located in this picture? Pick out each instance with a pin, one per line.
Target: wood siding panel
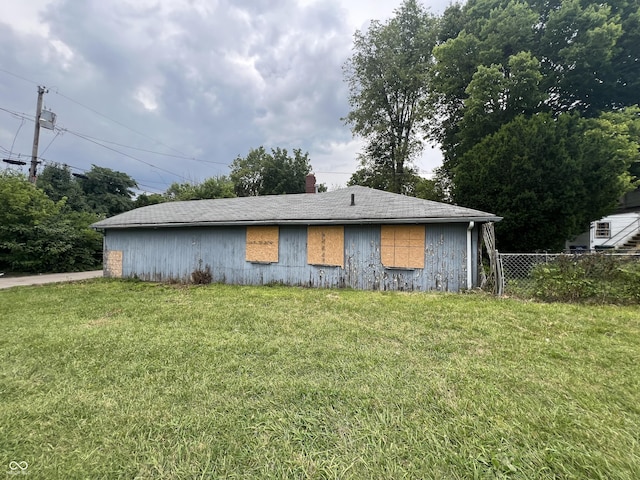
(172, 254)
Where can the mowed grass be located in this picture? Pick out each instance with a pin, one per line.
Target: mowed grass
(109, 379)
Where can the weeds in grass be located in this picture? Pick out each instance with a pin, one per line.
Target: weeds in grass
(588, 278)
(109, 379)
(201, 276)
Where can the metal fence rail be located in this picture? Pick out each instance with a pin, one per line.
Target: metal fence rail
(518, 269)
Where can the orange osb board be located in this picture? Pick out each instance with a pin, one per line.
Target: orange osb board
(325, 245)
(113, 263)
(402, 246)
(262, 244)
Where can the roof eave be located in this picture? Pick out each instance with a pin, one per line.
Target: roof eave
(359, 221)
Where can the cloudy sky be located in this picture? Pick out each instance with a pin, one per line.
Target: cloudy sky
(174, 90)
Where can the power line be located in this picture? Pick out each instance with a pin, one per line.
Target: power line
(88, 138)
(182, 157)
(98, 174)
(18, 76)
(126, 155)
(55, 136)
(116, 122)
(16, 136)
(181, 154)
(22, 115)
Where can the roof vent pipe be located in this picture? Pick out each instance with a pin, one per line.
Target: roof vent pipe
(353, 199)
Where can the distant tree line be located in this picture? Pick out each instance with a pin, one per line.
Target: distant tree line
(46, 228)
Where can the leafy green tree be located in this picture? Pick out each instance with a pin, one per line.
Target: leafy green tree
(547, 176)
(58, 183)
(379, 175)
(180, 191)
(428, 189)
(144, 199)
(216, 187)
(213, 187)
(382, 176)
(263, 173)
(389, 76)
(40, 235)
(501, 58)
(107, 191)
(509, 67)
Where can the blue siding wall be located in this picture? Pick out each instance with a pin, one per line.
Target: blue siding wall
(171, 254)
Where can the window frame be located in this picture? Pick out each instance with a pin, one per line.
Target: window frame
(603, 230)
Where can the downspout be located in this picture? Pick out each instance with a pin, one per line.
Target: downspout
(469, 256)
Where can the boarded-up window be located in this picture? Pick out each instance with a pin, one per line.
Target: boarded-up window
(262, 244)
(113, 263)
(325, 246)
(402, 246)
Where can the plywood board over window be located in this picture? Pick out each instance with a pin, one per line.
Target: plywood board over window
(113, 263)
(262, 244)
(325, 245)
(402, 246)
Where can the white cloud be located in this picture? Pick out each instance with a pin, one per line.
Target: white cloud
(208, 78)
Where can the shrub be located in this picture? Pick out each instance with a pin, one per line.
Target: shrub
(600, 278)
(201, 276)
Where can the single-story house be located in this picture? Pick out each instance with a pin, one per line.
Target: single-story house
(355, 237)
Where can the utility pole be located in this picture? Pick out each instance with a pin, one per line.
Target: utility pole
(36, 137)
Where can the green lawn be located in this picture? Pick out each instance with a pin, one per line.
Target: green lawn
(109, 379)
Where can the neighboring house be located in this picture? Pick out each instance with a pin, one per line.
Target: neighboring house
(620, 230)
(354, 237)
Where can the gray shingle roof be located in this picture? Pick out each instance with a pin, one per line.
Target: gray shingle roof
(371, 206)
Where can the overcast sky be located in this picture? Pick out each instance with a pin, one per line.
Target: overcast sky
(156, 80)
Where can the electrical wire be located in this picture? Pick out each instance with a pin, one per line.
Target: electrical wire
(22, 115)
(97, 174)
(96, 112)
(17, 76)
(126, 155)
(116, 122)
(182, 157)
(56, 136)
(16, 136)
(88, 138)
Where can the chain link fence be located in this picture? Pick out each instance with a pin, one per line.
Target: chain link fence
(521, 273)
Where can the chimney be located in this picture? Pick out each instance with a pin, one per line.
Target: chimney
(310, 183)
(353, 199)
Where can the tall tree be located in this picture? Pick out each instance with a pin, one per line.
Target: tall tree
(58, 183)
(501, 58)
(263, 173)
(548, 177)
(108, 192)
(378, 175)
(513, 67)
(145, 199)
(389, 75)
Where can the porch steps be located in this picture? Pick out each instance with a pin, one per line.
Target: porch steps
(632, 244)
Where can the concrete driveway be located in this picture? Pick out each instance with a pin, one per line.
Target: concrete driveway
(8, 282)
